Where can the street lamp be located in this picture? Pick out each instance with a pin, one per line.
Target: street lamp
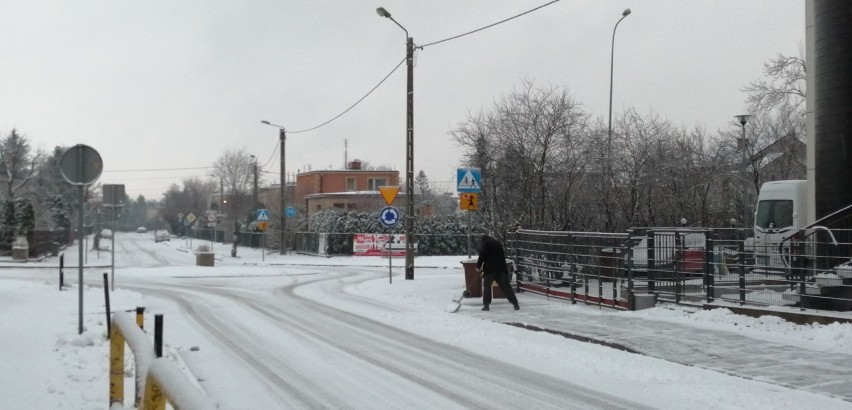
(743, 118)
(611, 70)
(409, 150)
(282, 136)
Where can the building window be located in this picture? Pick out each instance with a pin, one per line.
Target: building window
(319, 207)
(375, 183)
(338, 205)
(350, 184)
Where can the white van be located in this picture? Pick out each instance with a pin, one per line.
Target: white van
(781, 211)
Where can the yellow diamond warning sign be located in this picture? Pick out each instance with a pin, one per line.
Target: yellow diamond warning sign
(389, 193)
(468, 201)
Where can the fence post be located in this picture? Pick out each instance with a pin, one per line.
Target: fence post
(650, 261)
(797, 245)
(708, 266)
(631, 300)
(679, 254)
(741, 263)
(573, 269)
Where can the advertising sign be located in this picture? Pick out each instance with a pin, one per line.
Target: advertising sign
(375, 244)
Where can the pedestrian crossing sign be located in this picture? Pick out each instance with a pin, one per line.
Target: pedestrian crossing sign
(468, 180)
(262, 215)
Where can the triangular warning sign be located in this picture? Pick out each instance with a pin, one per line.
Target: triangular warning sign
(468, 182)
(389, 193)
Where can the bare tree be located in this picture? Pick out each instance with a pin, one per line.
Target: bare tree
(784, 83)
(529, 150)
(235, 169)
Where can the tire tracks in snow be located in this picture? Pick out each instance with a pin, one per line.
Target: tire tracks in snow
(370, 353)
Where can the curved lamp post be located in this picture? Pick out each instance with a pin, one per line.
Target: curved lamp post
(282, 135)
(409, 150)
(743, 119)
(609, 127)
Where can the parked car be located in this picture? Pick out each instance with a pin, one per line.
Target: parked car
(141, 229)
(160, 236)
(106, 233)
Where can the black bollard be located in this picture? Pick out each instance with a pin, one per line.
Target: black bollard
(106, 298)
(158, 335)
(61, 271)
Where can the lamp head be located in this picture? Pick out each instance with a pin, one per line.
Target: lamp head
(743, 118)
(626, 12)
(265, 122)
(382, 12)
(682, 221)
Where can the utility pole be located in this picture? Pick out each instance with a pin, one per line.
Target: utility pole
(282, 135)
(254, 191)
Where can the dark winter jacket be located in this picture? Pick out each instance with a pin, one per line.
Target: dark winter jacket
(491, 254)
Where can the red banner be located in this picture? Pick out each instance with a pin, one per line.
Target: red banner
(376, 244)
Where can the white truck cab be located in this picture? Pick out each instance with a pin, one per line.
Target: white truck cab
(781, 211)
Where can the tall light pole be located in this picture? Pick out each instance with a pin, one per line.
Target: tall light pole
(409, 150)
(609, 127)
(743, 118)
(282, 137)
(254, 186)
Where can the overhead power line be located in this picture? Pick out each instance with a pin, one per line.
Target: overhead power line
(403, 60)
(353, 105)
(486, 27)
(152, 170)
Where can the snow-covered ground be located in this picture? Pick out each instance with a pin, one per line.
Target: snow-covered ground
(295, 331)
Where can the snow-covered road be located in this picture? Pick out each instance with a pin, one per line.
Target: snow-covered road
(297, 352)
(304, 332)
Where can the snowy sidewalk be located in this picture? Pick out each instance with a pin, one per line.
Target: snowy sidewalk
(722, 351)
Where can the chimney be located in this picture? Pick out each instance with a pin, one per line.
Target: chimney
(355, 165)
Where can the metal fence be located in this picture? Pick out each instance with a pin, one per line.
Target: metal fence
(806, 269)
(589, 266)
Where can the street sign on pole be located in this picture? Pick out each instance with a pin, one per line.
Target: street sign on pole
(262, 215)
(468, 202)
(468, 180)
(389, 217)
(291, 211)
(389, 193)
(81, 165)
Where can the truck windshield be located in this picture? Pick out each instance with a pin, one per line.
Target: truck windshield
(774, 214)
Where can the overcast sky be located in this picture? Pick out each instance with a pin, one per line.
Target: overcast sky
(171, 84)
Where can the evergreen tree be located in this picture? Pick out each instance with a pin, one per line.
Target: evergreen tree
(24, 217)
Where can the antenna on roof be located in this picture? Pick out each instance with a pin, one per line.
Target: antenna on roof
(345, 153)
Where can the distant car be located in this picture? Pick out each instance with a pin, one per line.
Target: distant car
(106, 233)
(160, 236)
(141, 229)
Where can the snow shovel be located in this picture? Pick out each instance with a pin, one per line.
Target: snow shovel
(455, 305)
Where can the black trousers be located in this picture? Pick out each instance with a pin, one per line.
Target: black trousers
(502, 279)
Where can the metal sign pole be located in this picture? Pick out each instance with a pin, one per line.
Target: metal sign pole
(80, 260)
(468, 234)
(390, 264)
(112, 261)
